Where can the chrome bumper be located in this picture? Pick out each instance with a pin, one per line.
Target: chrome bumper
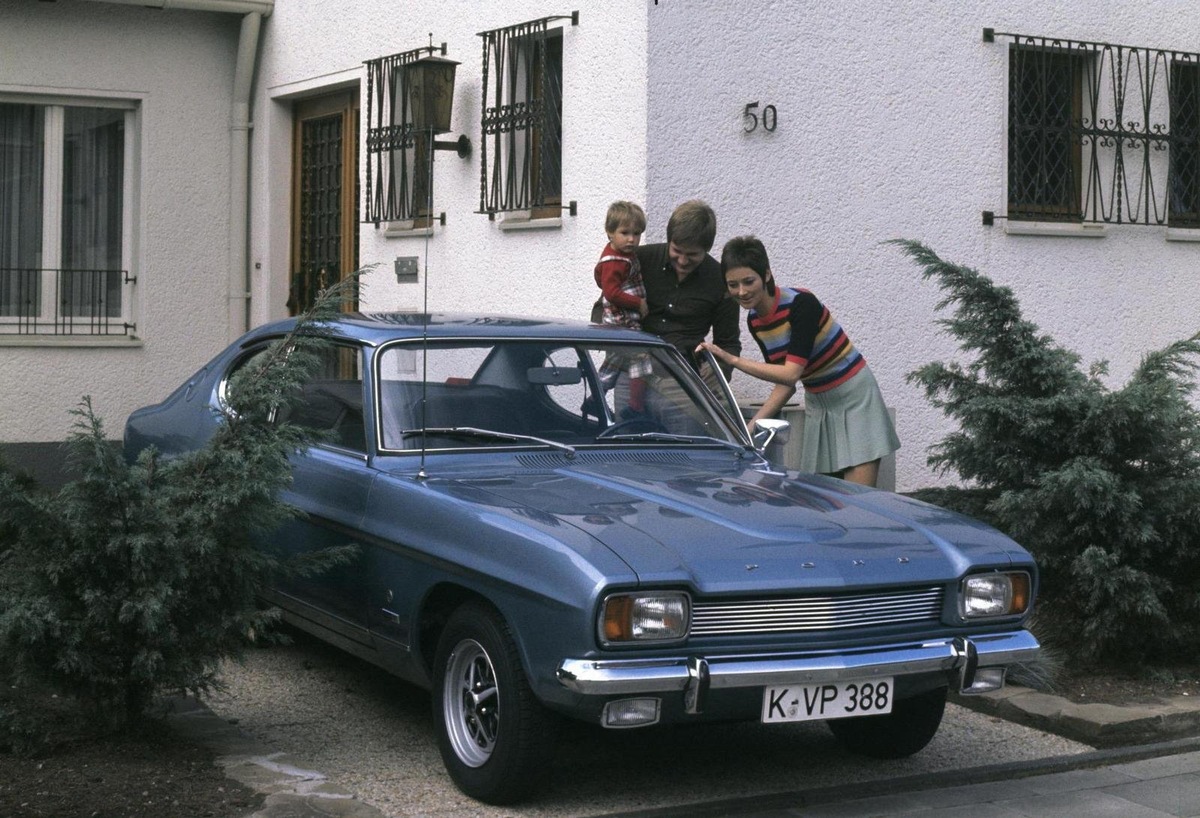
(695, 675)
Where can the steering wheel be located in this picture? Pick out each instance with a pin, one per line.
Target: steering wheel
(632, 426)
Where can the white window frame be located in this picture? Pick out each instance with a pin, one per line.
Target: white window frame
(54, 106)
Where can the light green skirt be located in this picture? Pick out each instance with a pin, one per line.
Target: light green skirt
(846, 426)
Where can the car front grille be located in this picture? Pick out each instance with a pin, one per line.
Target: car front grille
(816, 613)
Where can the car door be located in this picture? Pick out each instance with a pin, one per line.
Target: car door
(330, 484)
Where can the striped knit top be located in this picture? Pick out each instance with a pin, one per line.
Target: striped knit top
(800, 328)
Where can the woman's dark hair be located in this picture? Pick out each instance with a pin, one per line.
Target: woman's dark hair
(747, 251)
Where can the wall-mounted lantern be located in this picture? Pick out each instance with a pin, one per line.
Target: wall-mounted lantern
(431, 99)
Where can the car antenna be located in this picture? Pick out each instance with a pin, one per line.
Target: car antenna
(421, 473)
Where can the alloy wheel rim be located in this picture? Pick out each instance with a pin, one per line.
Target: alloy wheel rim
(470, 703)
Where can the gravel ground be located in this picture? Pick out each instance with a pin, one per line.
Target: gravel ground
(372, 736)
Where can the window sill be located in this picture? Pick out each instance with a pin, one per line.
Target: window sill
(1183, 234)
(405, 230)
(1067, 230)
(71, 341)
(523, 221)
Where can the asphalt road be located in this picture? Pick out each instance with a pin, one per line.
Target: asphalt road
(372, 736)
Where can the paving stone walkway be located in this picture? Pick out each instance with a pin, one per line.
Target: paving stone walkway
(1148, 767)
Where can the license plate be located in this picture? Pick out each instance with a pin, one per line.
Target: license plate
(833, 700)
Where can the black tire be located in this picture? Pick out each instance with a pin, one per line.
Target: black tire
(911, 725)
(495, 737)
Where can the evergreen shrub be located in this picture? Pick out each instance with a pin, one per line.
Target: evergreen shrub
(1100, 484)
(138, 578)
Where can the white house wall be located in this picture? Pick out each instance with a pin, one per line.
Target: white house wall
(178, 67)
(470, 263)
(891, 123)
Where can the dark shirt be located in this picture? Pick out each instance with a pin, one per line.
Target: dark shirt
(682, 312)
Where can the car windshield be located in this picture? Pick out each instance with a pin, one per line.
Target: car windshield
(452, 394)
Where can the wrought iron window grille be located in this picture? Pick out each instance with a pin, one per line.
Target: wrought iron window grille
(86, 302)
(521, 128)
(399, 165)
(1101, 133)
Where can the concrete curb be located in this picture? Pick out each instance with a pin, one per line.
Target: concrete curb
(292, 790)
(790, 803)
(1100, 725)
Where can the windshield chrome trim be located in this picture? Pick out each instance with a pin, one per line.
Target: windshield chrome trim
(741, 442)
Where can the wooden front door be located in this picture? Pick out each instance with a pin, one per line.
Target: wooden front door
(324, 197)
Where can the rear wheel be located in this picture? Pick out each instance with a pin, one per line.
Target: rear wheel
(495, 737)
(911, 725)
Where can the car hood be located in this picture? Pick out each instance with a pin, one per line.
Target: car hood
(742, 527)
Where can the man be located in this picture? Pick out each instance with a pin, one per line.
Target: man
(685, 290)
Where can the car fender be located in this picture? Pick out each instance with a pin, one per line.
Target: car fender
(543, 575)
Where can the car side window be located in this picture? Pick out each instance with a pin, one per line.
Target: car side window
(331, 402)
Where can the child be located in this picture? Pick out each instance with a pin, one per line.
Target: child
(623, 295)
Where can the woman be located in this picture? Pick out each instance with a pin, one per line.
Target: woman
(847, 429)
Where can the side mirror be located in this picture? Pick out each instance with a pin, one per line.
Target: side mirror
(767, 429)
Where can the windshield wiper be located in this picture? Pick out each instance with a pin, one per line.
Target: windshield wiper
(487, 434)
(675, 438)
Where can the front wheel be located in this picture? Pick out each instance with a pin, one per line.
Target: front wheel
(495, 737)
(911, 725)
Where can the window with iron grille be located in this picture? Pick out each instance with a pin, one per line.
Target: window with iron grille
(521, 149)
(64, 217)
(1045, 109)
(1102, 133)
(1185, 144)
(399, 156)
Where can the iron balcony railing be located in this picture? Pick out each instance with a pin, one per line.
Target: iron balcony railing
(80, 302)
(1102, 133)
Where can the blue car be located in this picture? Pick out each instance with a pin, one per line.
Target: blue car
(565, 520)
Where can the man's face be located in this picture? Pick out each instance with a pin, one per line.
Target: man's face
(685, 257)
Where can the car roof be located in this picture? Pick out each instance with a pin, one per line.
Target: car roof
(376, 328)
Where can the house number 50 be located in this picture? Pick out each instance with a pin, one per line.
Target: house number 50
(769, 117)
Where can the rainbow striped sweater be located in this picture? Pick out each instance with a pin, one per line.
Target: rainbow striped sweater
(800, 328)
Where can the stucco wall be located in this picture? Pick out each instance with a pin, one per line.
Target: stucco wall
(891, 123)
(178, 66)
(472, 264)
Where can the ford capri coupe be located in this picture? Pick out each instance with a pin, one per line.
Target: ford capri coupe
(537, 540)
